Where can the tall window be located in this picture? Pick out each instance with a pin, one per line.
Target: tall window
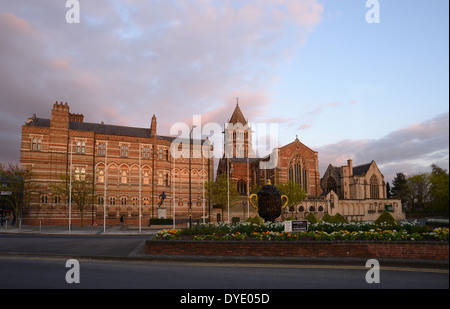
(36, 144)
(81, 145)
(242, 186)
(146, 154)
(374, 189)
(146, 178)
(101, 150)
(101, 176)
(123, 177)
(298, 173)
(124, 151)
(80, 173)
(160, 154)
(331, 184)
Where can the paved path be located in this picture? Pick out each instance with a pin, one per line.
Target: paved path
(87, 230)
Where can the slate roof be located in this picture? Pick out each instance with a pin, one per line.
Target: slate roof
(103, 129)
(361, 169)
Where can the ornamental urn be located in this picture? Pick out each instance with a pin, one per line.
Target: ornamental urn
(269, 202)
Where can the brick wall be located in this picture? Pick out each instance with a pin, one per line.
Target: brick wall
(366, 249)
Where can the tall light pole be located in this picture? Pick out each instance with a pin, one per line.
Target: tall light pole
(190, 188)
(70, 186)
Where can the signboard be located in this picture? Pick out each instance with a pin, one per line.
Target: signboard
(388, 207)
(296, 226)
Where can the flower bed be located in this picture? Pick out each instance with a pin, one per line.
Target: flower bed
(318, 231)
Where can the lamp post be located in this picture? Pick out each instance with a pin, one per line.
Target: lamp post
(190, 188)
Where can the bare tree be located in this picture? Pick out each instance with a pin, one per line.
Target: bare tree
(17, 181)
(82, 192)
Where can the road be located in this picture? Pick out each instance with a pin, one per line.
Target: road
(20, 272)
(114, 246)
(33, 262)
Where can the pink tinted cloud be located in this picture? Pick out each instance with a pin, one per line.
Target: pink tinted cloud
(122, 64)
(10, 22)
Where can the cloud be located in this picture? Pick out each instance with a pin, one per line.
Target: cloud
(305, 126)
(406, 150)
(318, 108)
(128, 60)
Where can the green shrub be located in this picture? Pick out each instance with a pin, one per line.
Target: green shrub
(338, 218)
(387, 219)
(160, 221)
(199, 229)
(327, 218)
(420, 229)
(235, 220)
(255, 220)
(311, 217)
(290, 218)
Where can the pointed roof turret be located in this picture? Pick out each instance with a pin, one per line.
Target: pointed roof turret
(237, 116)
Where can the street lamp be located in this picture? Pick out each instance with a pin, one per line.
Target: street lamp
(190, 189)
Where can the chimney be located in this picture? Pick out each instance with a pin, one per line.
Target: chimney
(350, 167)
(153, 126)
(60, 115)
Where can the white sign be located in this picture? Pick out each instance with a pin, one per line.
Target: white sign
(295, 226)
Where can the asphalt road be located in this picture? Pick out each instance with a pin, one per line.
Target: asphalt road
(39, 262)
(19, 272)
(113, 246)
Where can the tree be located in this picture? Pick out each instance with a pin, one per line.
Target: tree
(418, 197)
(18, 181)
(294, 193)
(217, 191)
(400, 188)
(439, 188)
(388, 190)
(82, 192)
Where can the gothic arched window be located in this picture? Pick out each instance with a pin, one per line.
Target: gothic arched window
(124, 151)
(298, 173)
(242, 186)
(331, 185)
(374, 189)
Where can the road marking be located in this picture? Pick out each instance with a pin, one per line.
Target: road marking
(349, 267)
(240, 265)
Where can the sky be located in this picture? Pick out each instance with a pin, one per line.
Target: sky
(347, 88)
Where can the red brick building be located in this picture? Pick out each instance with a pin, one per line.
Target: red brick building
(293, 162)
(130, 168)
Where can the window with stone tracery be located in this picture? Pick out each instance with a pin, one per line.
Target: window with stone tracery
(331, 185)
(374, 189)
(124, 151)
(298, 172)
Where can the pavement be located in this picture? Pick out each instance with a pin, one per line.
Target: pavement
(86, 230)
